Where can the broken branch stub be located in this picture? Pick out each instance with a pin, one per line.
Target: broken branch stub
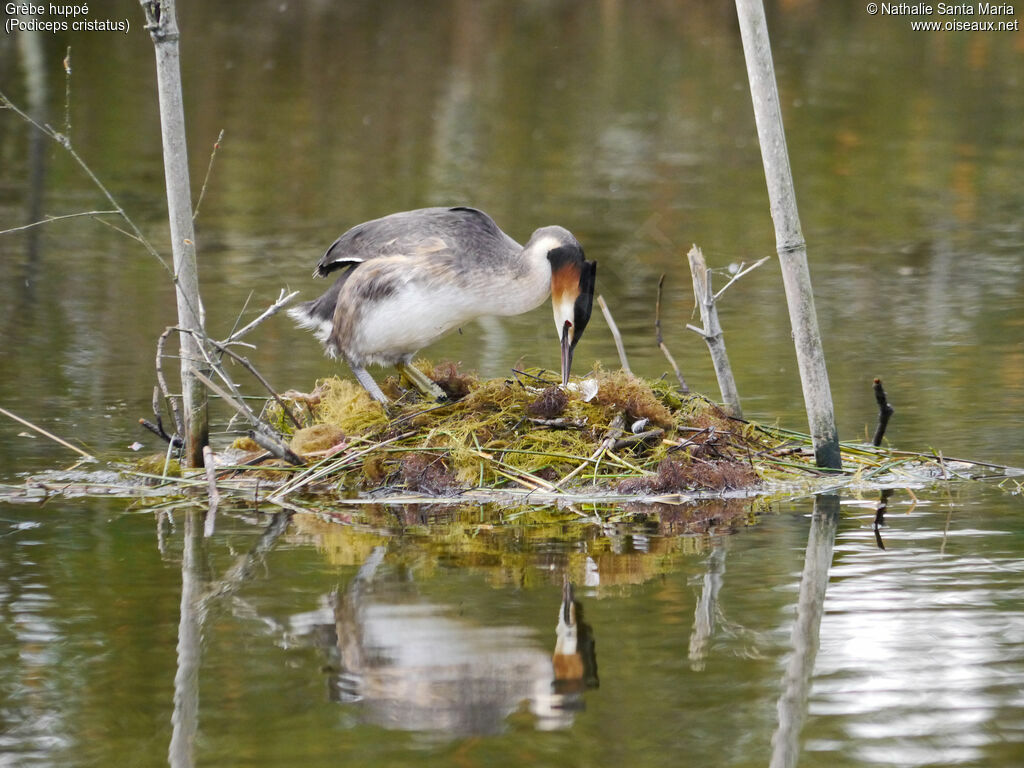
(712, 330)
(885, 412)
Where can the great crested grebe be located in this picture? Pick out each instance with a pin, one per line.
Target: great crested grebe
(411, 277)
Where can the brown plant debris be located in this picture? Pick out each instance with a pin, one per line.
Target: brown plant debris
(549, 405)
(632, 395)
(427, 474)
(675, 476)
(449, 378)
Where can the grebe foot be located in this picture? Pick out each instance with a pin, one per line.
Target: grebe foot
(421, 381)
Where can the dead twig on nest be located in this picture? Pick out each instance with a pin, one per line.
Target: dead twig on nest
(712, 330)
(264, 433)
(273, 445)
(172, 404)
(644, 438)
(615, 333)
(559, 423)
(613, 433)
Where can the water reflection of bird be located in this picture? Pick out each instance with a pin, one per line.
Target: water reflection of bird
(414, 664)
(575, 659)
(411, 277)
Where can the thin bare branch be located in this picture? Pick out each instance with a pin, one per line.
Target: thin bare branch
(65, 141)
(206, 179)
(50, 219)
(244, 362)
(615, 333)
(740, 273)
(118, 229)
(238, 318)
(234, 399)
(67, 94)
(263, 434)
(282, 301)
(276, 447)
(885, 412)
(43, 432)
(712, 330)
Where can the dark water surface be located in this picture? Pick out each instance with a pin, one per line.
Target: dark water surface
(630, 124)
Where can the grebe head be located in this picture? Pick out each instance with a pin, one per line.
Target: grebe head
(572, 288)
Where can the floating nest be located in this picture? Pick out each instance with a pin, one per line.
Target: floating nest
(609, 439)
(609, 432)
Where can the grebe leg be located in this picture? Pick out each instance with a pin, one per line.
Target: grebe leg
(364, 378)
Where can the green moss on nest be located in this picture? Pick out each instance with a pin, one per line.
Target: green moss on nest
(347, 406)
(155, 465)
(246, 444)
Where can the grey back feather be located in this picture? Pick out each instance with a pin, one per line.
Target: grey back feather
(461, 233)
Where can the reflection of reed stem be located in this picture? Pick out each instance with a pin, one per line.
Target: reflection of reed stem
(792, 705)
(32, 56)
(185, 718)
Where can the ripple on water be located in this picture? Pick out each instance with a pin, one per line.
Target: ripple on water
(922, 651)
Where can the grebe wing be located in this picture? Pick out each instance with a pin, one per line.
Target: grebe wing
(457, 232)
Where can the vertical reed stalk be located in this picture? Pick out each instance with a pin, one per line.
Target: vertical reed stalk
(788, 236)
(163, 28)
